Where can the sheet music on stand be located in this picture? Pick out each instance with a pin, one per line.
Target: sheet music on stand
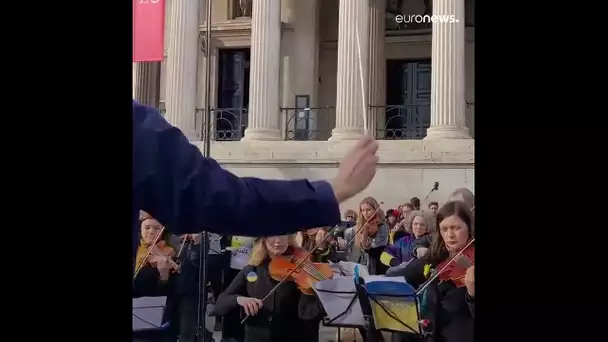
(339, 296)
(393, 301)
(148, 313)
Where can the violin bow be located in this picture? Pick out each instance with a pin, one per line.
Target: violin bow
(365, 224)
(142, 263)
(303, 260)
(434, 276)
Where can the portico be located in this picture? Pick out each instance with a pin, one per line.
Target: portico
(287, 86)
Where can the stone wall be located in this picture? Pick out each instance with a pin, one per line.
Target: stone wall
(407, 168)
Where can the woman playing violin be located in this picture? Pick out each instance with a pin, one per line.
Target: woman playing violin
(314, 240)
(153, 274)
(449, 301)
(287, 314)
(371, 240)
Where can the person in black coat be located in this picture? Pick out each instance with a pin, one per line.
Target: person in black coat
(449, 309)
(287, 315)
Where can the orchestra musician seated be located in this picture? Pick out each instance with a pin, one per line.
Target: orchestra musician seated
(448, 303)
(288, 313)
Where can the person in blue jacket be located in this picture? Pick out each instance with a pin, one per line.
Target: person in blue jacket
(187, 192)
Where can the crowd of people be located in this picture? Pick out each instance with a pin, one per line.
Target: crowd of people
(240, 276)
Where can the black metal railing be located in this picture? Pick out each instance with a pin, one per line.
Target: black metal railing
(402, 122)
(227, 124)
(304, 124)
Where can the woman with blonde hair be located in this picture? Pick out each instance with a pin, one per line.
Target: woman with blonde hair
(286, 311)
(370, 240)
(402, 250)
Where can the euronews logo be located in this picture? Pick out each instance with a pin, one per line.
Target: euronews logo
(425, 19)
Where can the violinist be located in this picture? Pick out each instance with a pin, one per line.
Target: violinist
(402, 251)
(371, 240)
(287, 315)
(421, 246)
(153, 275)
(448, 303)
(314, 240)
(396, 231)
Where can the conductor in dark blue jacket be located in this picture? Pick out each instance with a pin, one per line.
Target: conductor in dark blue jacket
(188, 193)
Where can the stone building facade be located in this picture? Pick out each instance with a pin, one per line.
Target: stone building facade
(293, 83)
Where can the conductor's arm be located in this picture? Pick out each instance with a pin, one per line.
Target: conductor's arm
(187, 192)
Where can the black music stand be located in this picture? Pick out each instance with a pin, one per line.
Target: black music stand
(368, 330)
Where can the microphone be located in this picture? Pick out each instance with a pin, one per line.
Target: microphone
(436, 186)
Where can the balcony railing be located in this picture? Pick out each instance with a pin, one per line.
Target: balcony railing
(402, 122)
(304, 124)
(396, 122)
(227, 124)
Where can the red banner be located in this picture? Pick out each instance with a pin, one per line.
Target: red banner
(148, 30)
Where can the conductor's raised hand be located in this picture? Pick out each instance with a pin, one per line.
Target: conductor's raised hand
(356, 170)
(250, 305)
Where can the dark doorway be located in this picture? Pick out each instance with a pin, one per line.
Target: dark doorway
(408, 98)
(233, 94)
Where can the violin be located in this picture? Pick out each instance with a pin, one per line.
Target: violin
(454, 269)
(162, 251)
(283, 268)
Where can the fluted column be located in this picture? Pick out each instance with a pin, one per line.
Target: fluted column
(263, 119)
(147, 83)
(448, 73)
(181, 71)
(350, 106)
(377, 65)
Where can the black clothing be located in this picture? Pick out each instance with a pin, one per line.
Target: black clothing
(287, 315)
(423, 241)
(451, 311)
(232, 327)
(148, 283)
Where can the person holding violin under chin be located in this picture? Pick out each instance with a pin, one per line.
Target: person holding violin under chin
(152, 276)
(448, 303)
(291, 308)
(372, 239)
(323, 250)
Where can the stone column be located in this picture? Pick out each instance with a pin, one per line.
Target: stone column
(448, 73)
(377, 65)
(147, 83)
(351, 100)
(181, 69)
(264, 71)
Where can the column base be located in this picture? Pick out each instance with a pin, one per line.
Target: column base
(262, 134)
(338, 134)
(447, 132)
